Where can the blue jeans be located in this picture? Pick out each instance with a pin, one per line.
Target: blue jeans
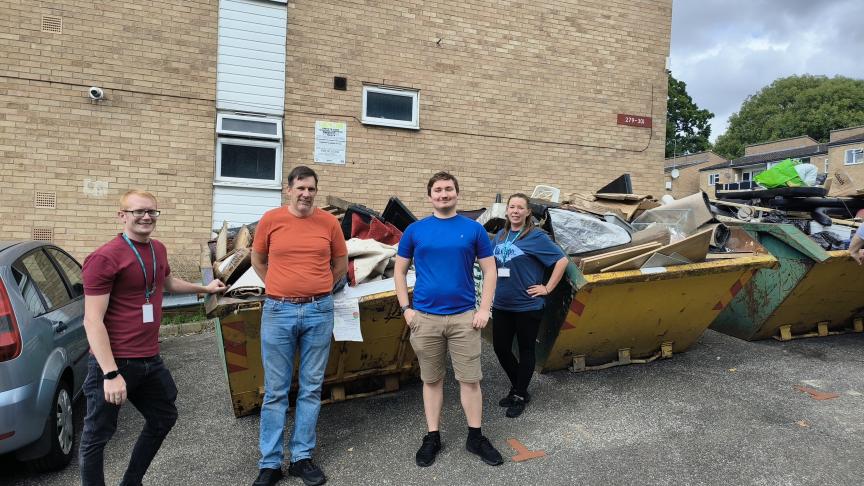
(285, 327)
(151, 389)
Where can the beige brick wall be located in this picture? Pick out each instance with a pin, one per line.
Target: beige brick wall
(836, 158)
(513, 95)
(845, 133)
(785, 144)
(156, 63)
(689, 180)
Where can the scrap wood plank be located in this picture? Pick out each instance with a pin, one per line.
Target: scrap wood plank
(593, 264)
(621, 197)
(693, 248)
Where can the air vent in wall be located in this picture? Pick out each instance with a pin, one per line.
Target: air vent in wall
(45, 200)
(52, 24)
(43, 234)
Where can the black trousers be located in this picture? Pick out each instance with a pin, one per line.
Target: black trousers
(151, 389)
(524, 327)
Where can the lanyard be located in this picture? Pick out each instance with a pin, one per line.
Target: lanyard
(147, 291)
(507, 246)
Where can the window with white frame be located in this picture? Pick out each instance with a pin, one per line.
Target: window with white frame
(746, 175)
(248, 150)
(713, 179)
(391, 107)
(854, 156)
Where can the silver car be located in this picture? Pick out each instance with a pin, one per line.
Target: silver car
(43, 352)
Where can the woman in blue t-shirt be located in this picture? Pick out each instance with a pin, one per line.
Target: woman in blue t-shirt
(522, 253)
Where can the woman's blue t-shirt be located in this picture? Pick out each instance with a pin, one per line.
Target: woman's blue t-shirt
(444, 251)
(527, 258)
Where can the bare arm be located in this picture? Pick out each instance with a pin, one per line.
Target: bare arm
(259, 263)
(855, 248)
(97, 336)
(179, 286)
(557, 273)
(400, 272)
(487, 265)
(339, 267)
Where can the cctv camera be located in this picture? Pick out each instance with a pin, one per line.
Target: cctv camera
(96, 93)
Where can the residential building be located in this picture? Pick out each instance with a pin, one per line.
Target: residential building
(682, 176)
(759, 157)
(209, 104)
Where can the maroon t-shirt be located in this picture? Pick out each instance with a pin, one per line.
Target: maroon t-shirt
(114, 269)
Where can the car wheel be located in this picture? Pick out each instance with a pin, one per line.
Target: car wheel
(60, 428)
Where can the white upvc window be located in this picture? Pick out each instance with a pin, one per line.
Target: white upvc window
(247, 162)
(391, 107)
(248, 126)
(854, 156)
(713, 179)
(746, 175)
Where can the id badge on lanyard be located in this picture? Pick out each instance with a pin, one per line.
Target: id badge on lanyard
(147, 315)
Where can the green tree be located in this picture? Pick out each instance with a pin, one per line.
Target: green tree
(687, 128)
(791, 107)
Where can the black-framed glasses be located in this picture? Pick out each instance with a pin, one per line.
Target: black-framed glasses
(153, 213)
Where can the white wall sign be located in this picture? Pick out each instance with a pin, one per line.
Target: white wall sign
(330, 140)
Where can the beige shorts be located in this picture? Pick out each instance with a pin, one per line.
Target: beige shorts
(433, 335)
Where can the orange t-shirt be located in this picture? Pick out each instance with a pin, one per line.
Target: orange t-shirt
(299, 251)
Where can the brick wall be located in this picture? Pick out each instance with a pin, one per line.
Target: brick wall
(786, 144)
(845, 133)
(689, 180)
(156, 63)
(512, 94)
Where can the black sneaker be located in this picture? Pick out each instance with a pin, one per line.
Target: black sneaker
(426, 453)
(268, 477)
(517, 406)
(306, 470)
(483, 448)
(508, 400)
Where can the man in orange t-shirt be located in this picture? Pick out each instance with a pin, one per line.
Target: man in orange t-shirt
(299, 252)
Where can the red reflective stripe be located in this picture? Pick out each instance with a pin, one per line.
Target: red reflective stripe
(6, 435)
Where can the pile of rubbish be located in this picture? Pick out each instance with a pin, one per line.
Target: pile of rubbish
(828, 209)
(616, 230)
(371, 237)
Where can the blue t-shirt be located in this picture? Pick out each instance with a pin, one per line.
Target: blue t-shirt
(444, 251)
(527, 258)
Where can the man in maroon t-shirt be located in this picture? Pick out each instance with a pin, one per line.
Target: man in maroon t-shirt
(123, 284)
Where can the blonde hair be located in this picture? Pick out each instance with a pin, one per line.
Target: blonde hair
(529, 221)
(136, 192)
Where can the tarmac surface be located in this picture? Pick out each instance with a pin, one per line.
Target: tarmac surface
(725, 412)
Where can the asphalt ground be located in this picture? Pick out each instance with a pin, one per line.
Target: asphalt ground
(725, 412)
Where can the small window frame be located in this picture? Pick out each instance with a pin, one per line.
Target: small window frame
(414, 94)
(715, 177)
(857, 153)
(275, 183)
(221, 117)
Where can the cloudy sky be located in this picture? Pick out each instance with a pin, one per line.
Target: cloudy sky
(726, 50)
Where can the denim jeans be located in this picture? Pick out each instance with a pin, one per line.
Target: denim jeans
(284, 328)
(151, 389)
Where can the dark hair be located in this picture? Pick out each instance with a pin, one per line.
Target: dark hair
(301, 172)
(441, 176)
(529, 221)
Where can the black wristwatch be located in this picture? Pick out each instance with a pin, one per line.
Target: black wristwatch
(405, 307)
(112, 374)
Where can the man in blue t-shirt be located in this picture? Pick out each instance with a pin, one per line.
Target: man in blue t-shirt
(444, 247)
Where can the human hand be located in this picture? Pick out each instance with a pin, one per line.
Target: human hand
(481, 318)
(115, 390)
(409, 316)
(538, 290)
(215, 286)
(857, 256)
